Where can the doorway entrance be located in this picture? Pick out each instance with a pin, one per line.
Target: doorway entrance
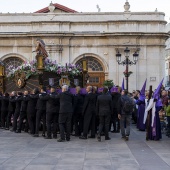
(95, 71)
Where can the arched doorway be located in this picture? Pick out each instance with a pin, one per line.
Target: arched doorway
(95, 70)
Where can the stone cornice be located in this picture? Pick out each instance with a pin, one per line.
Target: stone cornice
(84, 34)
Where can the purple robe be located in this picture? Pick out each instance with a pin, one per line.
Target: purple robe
(155, 131)
(140, 115)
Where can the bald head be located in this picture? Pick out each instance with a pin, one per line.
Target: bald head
(64, 88)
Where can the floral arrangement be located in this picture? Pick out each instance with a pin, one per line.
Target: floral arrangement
(69, 69)
(30, 68)
(127, 74)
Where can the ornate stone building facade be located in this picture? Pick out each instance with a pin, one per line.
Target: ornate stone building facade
(70, 35)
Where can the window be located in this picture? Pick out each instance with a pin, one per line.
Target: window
(14, 61)
(93, 79)
(93, 64)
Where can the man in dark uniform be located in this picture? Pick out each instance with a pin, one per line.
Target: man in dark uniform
(52, 108)
(18, 100)
(4, 110)
(65, 113)
(31, 110)
(23, 113)
(77, 114)
(41, 112)
(89, 112)
(11, 108)
(104, 110)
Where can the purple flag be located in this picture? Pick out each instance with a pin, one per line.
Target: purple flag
(83, 91)
(72, 90)
(114, 89)
(100, 90)
(58, 91)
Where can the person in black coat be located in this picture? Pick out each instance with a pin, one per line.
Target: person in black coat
(65, 113)
(104, 109)
(89, 113)
(41, 111)
(52, 111)
(18, 100)
(4, 110)
(23, 112)
(77, 114)
(11, 108)
(31, 110)
(114, 117)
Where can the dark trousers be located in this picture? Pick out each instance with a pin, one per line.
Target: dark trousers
(104, 123)
(52, 117)
(65, 122)
(78, 123)
(4, 115)
(23, 116)
(31, 121)
(89, 123)
(16, 115)
(39, 114)
(10, 113)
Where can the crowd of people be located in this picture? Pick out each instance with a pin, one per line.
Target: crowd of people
(87, 113)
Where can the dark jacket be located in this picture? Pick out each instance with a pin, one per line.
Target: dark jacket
(78, 103)
(18, 100)
(24, 103)
(66, 102)
(89, 106)
(4, 103)
(11, 105)
(104, 105)
(115, 99)
(121, 104)
(41, 104)
(52, 102)
(32, 102)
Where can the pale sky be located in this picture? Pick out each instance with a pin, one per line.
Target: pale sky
(28, 6)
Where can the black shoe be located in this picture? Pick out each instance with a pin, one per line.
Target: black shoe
(60, 140)
(123, 137)
(6, 128)
(91, 137)
(126, 138)
(48, 137)
(54, 137)
(26, 131)
(2, 127)
(107, 138)
(36, 135)
(18, 131)
(67, 139)
(82, 137)
(113, 131)
(43, 135)
(99, 138)
(117, 131)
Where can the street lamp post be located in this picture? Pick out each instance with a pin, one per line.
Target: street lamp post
(127, 62)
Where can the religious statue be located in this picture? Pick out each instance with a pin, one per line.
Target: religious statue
(40, 48)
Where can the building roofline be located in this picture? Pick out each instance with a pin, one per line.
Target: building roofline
(61, 7)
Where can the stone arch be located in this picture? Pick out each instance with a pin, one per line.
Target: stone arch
(14, 55)
(97, 57)
(97, 68)
(12, 59)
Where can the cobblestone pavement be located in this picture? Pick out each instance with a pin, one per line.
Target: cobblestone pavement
(22, 151)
